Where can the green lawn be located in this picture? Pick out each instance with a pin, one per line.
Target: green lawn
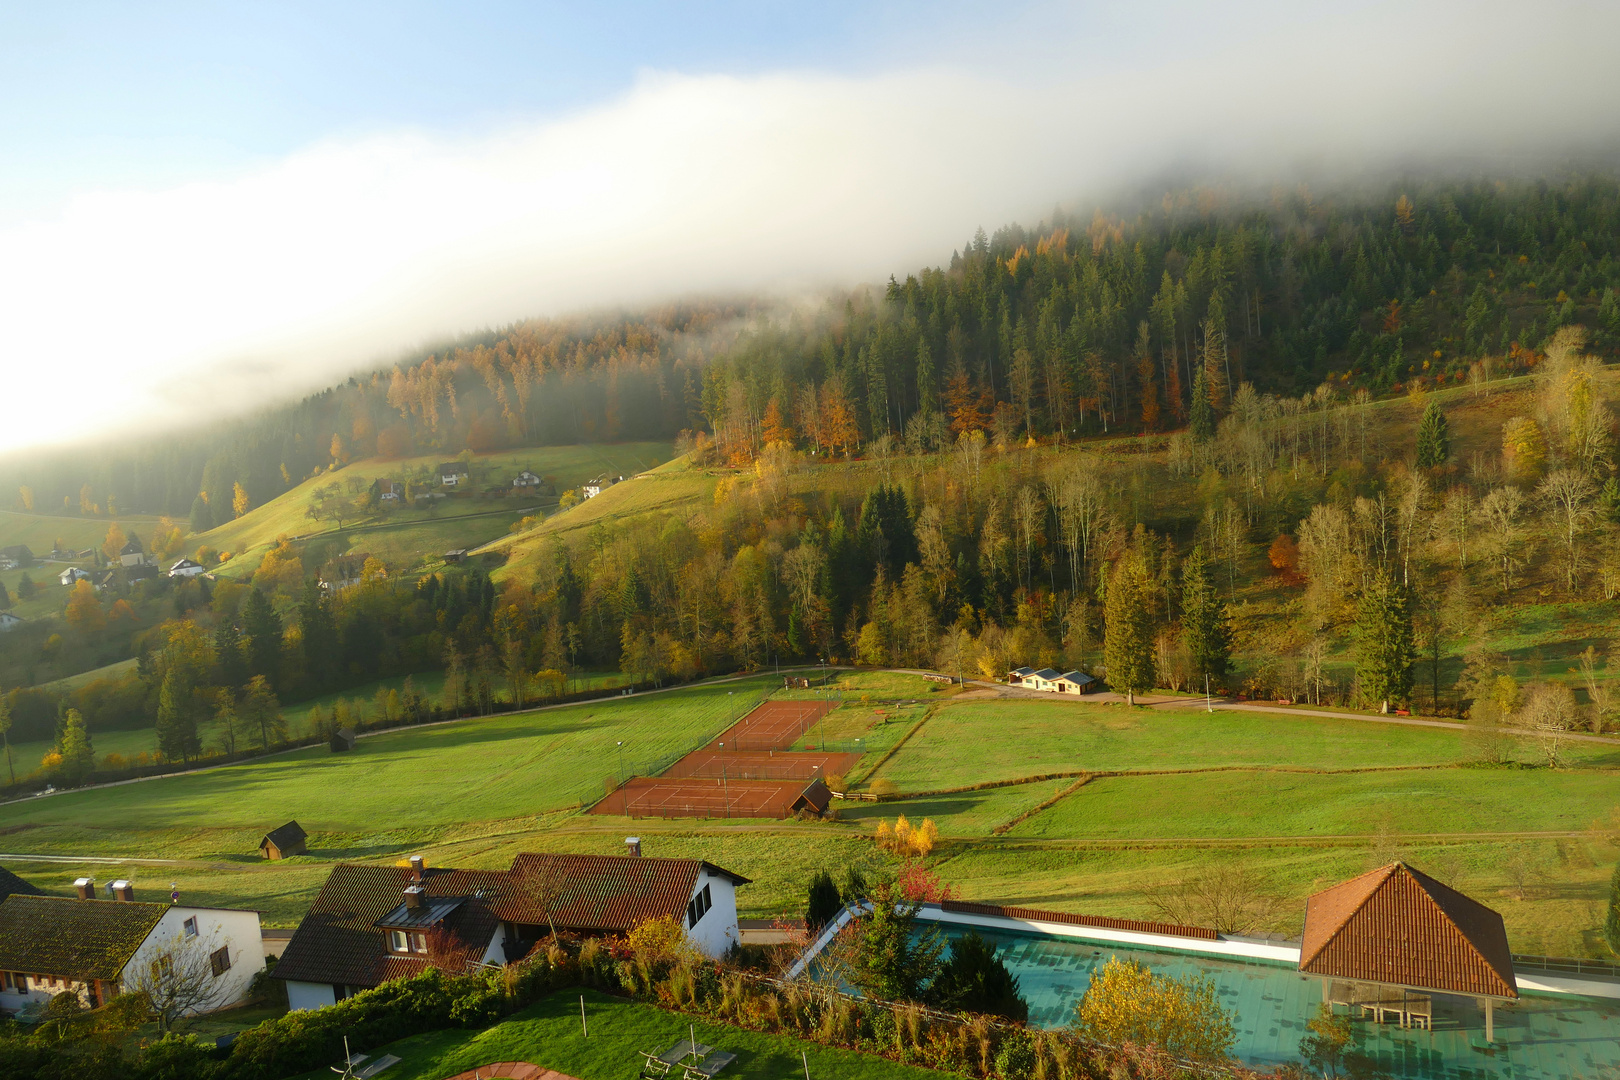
(549, 1034)
(415, 779)
(1032, 738)
(968, 813)
(1268, 803)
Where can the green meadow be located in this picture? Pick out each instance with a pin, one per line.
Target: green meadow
(1298, 802)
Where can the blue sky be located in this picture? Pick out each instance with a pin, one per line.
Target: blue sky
(102, 94)
(255, 199)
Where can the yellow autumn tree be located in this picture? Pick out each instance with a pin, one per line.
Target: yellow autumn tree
(1127, 1003)
(115, 541)
(1524, 450)
(84, 610)
(239, 499)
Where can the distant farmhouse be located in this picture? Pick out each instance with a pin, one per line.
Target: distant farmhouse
(526, 479)
(186, 568)
(98, 949)
(17, 555)
(374, 923)
(599, 485)
(344, 572)
(132, 554)
(390, 491)
(8, 621)
(1051, 681)
(452, 474)
(72, 575)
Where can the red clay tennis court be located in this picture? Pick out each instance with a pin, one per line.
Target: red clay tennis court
(653, 796)
(803, 765)
(773, 725)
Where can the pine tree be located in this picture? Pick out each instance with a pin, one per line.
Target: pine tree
(177, 717)
(1203, 416)
(229, 655)
(78, 755)
(5, 597)
(1433, 438)
(823, 902)
(1384, 652)
(1128, 638)
(925, 377)
(202, 517)
(1204, 621)
(264, 633)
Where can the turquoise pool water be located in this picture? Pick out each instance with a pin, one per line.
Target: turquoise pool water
(1537, 1037)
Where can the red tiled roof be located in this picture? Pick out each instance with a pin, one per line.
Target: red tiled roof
(601, 893)
(1101, 922)
(1399, 926)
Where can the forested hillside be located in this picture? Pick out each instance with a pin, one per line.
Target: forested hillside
(1340, 450)
(1084, 324)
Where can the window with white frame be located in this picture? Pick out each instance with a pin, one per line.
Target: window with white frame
(419, 943)
(398, 942)
(190, 926)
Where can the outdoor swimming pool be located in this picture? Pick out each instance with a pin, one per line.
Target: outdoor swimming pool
(1540, 1036)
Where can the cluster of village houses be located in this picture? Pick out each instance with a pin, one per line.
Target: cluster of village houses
(134, 563)
(368, 924)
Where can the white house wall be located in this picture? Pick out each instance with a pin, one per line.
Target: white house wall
(216, 928)
(716, 932)
(307, 995)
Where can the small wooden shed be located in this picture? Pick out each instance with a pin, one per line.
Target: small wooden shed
(815, 798)
(343, 740)
(287, 840)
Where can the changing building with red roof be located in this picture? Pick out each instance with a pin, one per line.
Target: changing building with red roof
(371, 924)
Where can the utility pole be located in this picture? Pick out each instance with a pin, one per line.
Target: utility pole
(1209, 704)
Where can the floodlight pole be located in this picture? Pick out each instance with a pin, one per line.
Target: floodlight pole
(1209, 703)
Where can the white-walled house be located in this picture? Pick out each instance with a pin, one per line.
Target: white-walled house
(73, 575)
(186, 568)
(8, 621)
(100, 948)
(371, 924)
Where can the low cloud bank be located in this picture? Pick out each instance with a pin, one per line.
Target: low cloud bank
(129, 310)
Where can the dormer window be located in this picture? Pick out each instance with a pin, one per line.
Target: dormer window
(407, 942)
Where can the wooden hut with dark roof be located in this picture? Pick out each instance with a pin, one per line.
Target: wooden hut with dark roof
(284, 841)
(1385, 940)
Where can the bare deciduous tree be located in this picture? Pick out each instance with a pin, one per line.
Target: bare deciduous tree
(1568, 497)
(1502, 513)
(179, 978)
(1227, 897)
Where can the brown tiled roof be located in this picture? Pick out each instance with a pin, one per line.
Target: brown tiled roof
(1101, 922)
(1399, 926)
(339, 941)
(816, 797)
(10, 883)
(72, 938)
(601, 893)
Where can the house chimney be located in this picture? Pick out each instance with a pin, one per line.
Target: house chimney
(123, 889)
(416, 868)
(85, 887)
(415, 897)
(634, 844)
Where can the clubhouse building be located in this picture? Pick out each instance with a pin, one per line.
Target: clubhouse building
(371, 924)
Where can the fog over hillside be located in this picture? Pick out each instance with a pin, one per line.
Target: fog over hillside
(196, 300)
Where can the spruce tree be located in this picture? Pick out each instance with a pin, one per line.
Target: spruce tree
(1384, 650)
(177, 717)
(264, 633)
(5, 597)
(1203, 416)
(1433, 438)
(823, 902)
(1128, 638)
(78, 755)
(1204, 621)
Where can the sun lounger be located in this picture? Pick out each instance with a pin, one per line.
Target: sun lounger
(660, 1064)
(710, 1066)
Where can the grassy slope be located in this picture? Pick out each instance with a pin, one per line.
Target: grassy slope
(548, 1034)
(411, 532)
(41, 531)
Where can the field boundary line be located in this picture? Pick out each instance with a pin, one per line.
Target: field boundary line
(895, 749)
(1045, 804)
